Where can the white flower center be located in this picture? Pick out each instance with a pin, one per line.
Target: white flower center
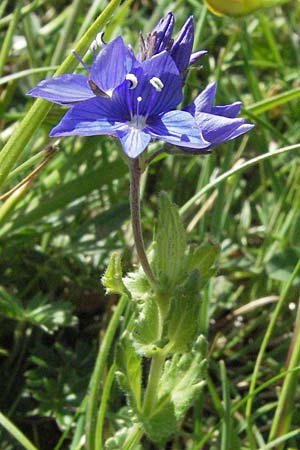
(137, 121)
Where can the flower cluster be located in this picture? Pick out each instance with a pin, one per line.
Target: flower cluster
(135, 98)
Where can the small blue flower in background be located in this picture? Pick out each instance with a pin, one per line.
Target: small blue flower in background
(135, 99)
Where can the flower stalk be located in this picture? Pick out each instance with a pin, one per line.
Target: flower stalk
(135, 176)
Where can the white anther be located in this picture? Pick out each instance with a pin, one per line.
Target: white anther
(139, 99)
(93, 46)
(133, 80)
(157, 84)
(99, 39)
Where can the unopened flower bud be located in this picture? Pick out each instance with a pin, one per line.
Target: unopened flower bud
(239, 8)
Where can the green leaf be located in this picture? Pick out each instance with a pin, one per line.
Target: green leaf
(183, 377)
(57, 377)
(183, 321)
(129, 372)
(10, 306)
(269, 103)
(112, 278)
(16, 433)
(65, 193)
(137, 284)
(170, 242)
(146, 331)
(182, 380)
(47, 316)
(202, 258)
(281, 265)
(162, 423)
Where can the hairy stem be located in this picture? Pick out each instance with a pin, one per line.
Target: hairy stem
(134, 437)
(135, 176)
(152, 385)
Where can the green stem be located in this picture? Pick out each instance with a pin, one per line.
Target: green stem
(5, 47)
(152, 385)
(16, 433)
(135, 176)
(104, 399)
(235, 170)
(134, 437)
(2, 7)
(262, 349)
(95, 383)
(25, 10)
(285, 407)
(66, 32)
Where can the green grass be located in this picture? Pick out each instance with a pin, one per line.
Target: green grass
(58, 230)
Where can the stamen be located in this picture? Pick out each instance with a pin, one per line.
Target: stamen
(139, 99)
(93, 46)
(157, 84)
(80, 60)
(100, 40)
(132, 79)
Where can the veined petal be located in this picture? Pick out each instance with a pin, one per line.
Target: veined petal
(240, 130)
(163, 67)
(163, 31)
(182, 48)
(204, 101)
(112, 64)
(133, 140)
(91, 117)
(227, 110)
(64, 89)
(217, 129)
(178, 128)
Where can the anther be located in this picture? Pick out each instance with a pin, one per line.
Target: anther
(157, 84)
(99, 39)
(132, 80)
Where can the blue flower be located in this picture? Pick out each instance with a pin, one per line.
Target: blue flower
(180, 49)
(217, 124)
(135, 103)
(107, 71)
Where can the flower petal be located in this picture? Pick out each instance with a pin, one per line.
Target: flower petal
(240, 130)
(112, 64)
(231, 110)
(197, 55)
(204, 101)
(182, 48)
(88, 118)
(178, 128)
(163, 31)
(133, 140)
(217, 129)
(64, 89)
(163, 67)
